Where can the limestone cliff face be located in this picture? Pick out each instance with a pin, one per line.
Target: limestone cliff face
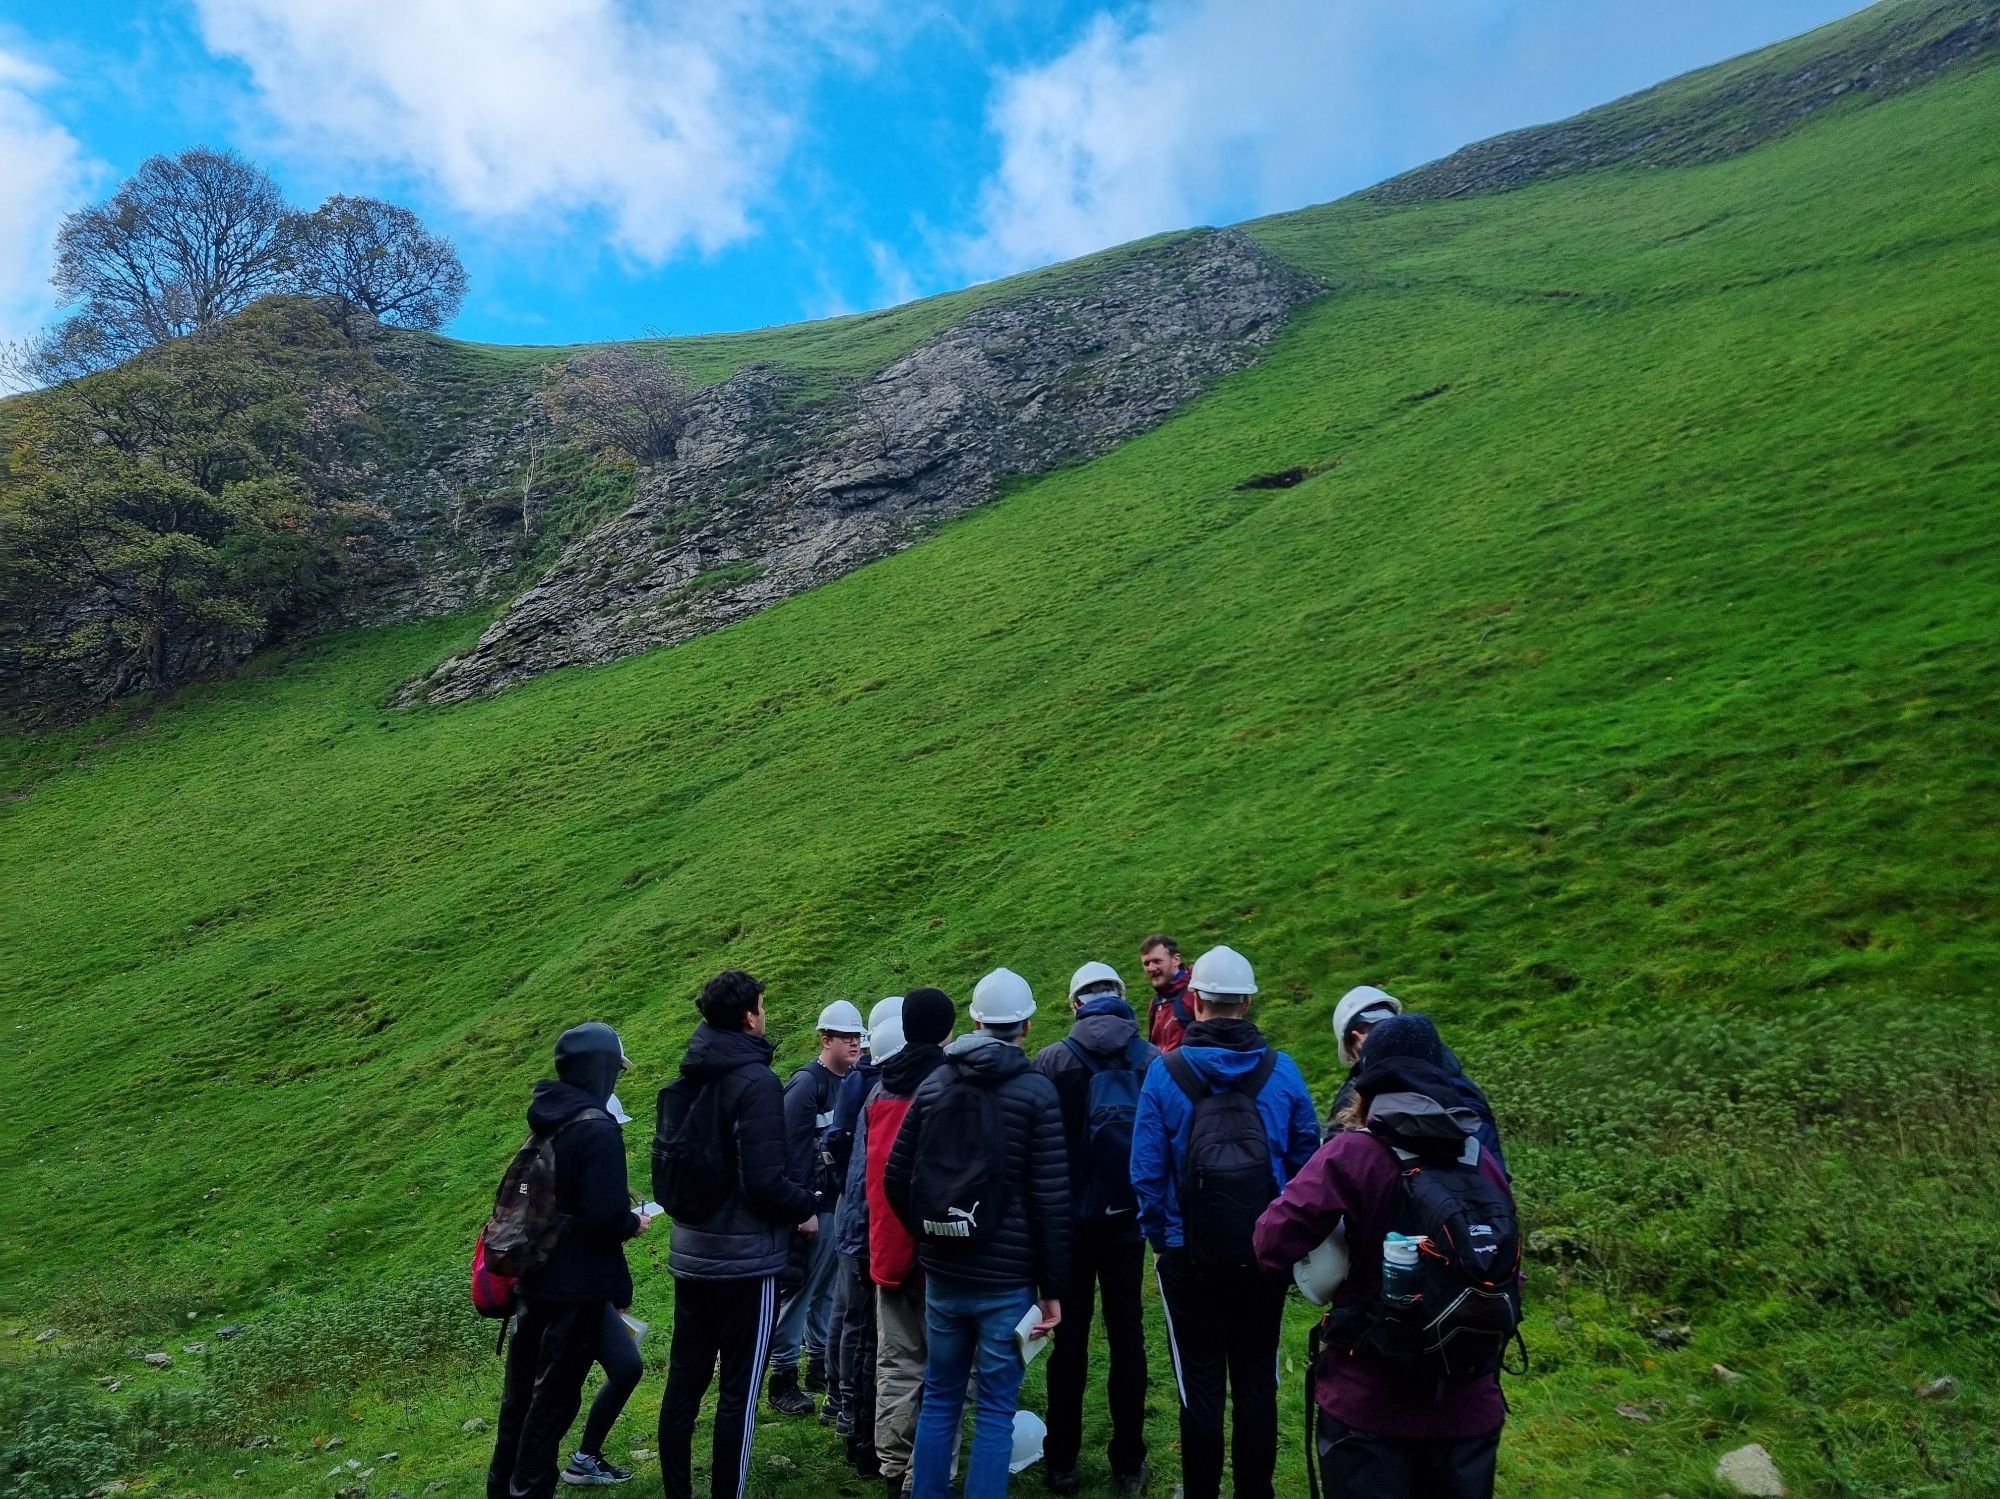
(765, 501)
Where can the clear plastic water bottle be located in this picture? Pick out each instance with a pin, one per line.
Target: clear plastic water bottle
(1399, 1268)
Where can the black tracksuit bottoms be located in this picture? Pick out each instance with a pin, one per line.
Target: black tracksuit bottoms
(1112, 1257)
(725, 1321)
(1356, 1464)
(554, 1345)
(1222, 1326)
(851, 1349)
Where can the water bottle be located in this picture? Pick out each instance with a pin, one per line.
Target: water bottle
(1399, 1268)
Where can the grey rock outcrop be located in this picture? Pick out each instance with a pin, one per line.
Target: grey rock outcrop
(766, 500)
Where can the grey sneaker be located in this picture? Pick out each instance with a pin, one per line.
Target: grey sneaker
(585, 1468)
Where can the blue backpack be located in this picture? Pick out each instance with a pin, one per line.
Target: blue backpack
(1109, 1104)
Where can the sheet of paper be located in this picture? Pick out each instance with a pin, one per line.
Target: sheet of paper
(634, 1326)
(1030, 1346)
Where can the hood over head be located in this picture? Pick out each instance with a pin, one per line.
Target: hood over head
(553, 1104)
(589, 1057)
(1105, 1024)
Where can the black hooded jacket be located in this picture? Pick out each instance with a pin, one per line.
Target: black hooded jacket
(750, 1234)
(588, 1263)
(1031, 1246)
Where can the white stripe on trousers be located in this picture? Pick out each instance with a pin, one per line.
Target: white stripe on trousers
(1173, 1345)
(767, 1319)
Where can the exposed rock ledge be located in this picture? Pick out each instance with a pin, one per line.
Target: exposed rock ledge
(765, 502)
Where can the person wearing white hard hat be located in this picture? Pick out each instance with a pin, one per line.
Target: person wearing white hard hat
(816, 1160)
(980, 1176)
(850, 1353)
(1097, 1071)
(1223, 1122)
(1359, 1011)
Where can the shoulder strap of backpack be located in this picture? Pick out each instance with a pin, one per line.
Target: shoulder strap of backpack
(1083, 1055)
(1252, 1082)
(1135, 1052)
(1183, 1072)
(581, 1116)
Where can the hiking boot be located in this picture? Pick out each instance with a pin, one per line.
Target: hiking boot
(816, 1376)
(1061, 1481)
(786, 1398)
(587, 1468)
(1133, 1483)
(829, 1413)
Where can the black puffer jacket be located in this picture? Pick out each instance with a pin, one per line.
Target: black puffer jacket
(1031, 1246)
(750, 1234)
(588, 1263)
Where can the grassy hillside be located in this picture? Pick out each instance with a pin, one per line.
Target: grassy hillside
(1619, 686)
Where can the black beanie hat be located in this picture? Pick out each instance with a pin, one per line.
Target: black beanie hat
(928, 1016)
(1402, 1037)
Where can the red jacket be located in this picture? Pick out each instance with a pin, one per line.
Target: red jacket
(1172, 1011)
(892, 1252)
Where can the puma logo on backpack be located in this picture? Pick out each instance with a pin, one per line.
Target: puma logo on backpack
(957, 1186)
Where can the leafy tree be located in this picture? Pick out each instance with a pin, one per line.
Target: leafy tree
(191, 500)
(615, 399)
(378, 258)
(182, 244)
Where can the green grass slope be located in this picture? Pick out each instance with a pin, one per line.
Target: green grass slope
(1620, 687)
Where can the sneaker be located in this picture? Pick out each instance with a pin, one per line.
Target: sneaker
(585, 1468)
(787, 1399)
(816, 1376)
(1134, 1483)
(1061, 1481)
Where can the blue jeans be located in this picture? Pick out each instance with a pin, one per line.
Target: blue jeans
(803, 1314)
(968, 1327)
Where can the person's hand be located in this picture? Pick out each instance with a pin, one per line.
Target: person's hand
(810, 1228)
(645, 1221)
(1051, 1310)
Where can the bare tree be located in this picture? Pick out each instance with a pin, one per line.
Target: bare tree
(184, 242)
(378, 258)
(613, 398)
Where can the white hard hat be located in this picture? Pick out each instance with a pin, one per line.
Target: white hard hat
(1095, 976)
(1030, 1433)
(885, 1039)
(1355, 1003)
(1320, 1273)
(884, 1008)
(1224, 971)
(1002, 998)
(842, 1019)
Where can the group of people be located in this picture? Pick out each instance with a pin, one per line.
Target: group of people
(922, 1202)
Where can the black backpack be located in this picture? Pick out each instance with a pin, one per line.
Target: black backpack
(1110, 1101)
(958, 1187)
(1226, 1181)
(521, 1235)
(694, 1164)
(1466, 1306)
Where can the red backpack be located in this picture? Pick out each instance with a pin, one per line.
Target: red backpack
(892, 1253)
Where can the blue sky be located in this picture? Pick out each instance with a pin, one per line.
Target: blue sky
(610, 166)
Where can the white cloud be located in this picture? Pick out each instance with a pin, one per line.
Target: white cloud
(670, 122)
(1184, 111)
(42, 177)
